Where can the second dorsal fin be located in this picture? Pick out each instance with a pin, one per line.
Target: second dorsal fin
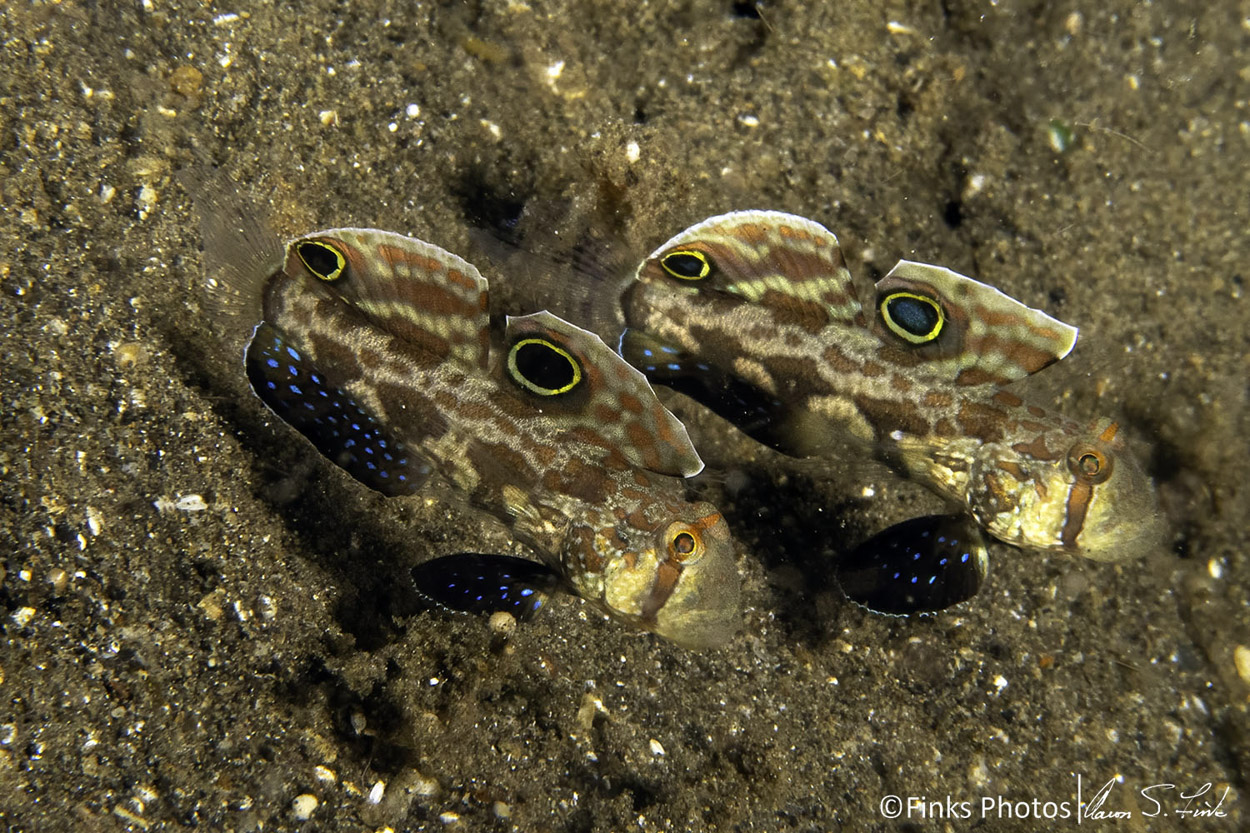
(574, 377)
(789, 264)
(963, 330)
(418, 292)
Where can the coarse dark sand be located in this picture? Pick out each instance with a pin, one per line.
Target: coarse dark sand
(205, 625)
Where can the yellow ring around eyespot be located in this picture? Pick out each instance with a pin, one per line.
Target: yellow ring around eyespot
(339, 260)
(519, 378)
(704, 271)
(905, 334)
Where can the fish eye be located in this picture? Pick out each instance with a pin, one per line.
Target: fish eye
(912, 317)
(685, 545)
(687, 265)
(1088, 463)
(322, 259)
(543, 367)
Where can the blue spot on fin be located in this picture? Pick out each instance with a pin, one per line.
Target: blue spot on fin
(921, 565)
(340, 428)
(485, 584)
(756, 413)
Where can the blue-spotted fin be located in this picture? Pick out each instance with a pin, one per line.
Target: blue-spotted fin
(921, 565)
(763, 300)
(378, 349)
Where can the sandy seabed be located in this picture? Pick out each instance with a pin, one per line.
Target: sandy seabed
(204, 623)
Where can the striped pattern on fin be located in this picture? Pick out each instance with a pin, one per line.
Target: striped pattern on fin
(328, 417)
(613, 402)
(921, 565)
(790, 264)
(484, 584)
(988, 336)
(416, 291)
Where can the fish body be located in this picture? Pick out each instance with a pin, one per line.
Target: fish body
(755, 315)
(379, 350)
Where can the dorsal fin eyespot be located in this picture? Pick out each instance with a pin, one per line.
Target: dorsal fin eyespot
(982, 336)
(543, 367)
(753, 254)
(322, 258)
(418, 292)
(614, 401)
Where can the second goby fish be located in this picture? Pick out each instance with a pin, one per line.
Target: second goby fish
(755, 314)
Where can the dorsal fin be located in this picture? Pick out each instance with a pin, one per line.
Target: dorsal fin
(416, 291)
(577, 379)
(962, 330)
(781, 261)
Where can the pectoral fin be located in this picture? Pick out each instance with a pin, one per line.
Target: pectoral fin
(485, 584)
(308, 400)
(922, 565)
(760, 416)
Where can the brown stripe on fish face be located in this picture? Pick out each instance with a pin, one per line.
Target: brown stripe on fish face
(1077, 505)
(1036, 448)
(666, 577)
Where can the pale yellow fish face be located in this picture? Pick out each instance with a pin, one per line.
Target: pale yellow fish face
(683, 585)
(1096, 501)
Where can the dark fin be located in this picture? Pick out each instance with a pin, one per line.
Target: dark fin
(921, 565)
(757, 414)
(617, 404)
(241, 251)
(986, 337)
(485, 584)
(329, 418)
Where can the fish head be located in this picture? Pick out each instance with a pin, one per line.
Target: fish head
(1093, 499)
(667, 566)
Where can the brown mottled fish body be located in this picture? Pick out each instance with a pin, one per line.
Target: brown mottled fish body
(378, 349)
(765, 299)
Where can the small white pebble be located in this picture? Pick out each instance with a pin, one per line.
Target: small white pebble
(449, 817)
(1241, 659)
(656, 748)
(413, 111)
(22, 616)
(376, 793)
(94, 520)
(632, 152)
(107, 192)
(304, 806)
(1215, 569)
(190, 503)
(329, 118)
(1000, 682)
(324, 774)
(146, 201)
(749, 120)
